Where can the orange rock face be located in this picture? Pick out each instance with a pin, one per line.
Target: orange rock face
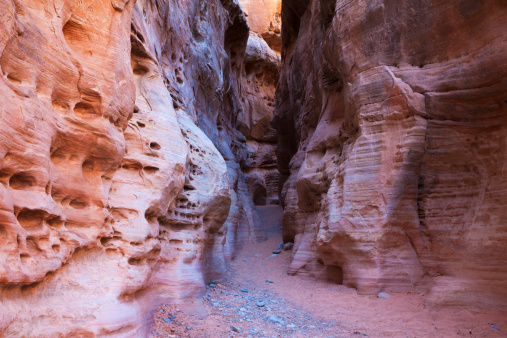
(122, 183)
(265, 19)
(136, 140)
(392, 124)
(67, 93)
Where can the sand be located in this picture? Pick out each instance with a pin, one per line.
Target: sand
(297, 307)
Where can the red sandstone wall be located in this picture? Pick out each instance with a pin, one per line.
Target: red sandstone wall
(121, 180)
(392, 119)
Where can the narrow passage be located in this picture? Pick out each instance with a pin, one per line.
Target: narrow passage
(246, 305)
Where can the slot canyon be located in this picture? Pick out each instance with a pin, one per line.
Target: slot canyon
(253, 168)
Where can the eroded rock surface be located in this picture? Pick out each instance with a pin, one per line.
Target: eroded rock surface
(262, 70)
(262, 67)
(265, 19)
(122, 163)
(392, 120)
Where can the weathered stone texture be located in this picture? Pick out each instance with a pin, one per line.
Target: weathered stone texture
(265, 19)
(392, 119)
(122, 183)
(262, 67)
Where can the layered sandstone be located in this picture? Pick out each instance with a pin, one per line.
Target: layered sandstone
(392, 120)
(265, 19)
(122, 182)
(262, 67)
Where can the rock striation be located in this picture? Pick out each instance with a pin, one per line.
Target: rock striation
(124, 143)
(265, 19)
(261, 68)
(392, 124)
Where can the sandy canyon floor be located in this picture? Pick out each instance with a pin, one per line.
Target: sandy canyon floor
(245, 305)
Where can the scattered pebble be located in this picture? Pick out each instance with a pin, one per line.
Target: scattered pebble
(275, 320)
(257, 255)
(260, 311)
(277, 251)
(245, 260)
(280, 245)
(288, 246)
(170, 318)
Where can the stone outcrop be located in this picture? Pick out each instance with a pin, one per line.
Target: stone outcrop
(261, 68)
(122, 158)
(265, 19)
(392, 123)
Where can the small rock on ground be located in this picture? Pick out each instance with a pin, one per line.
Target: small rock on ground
(383, 295)
(276, 252)
(275, 320)
(288, 246)
(270, 281)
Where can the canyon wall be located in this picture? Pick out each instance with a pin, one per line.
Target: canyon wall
(261, 69)
(392, 123)
(123, 148)
(265, 20)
